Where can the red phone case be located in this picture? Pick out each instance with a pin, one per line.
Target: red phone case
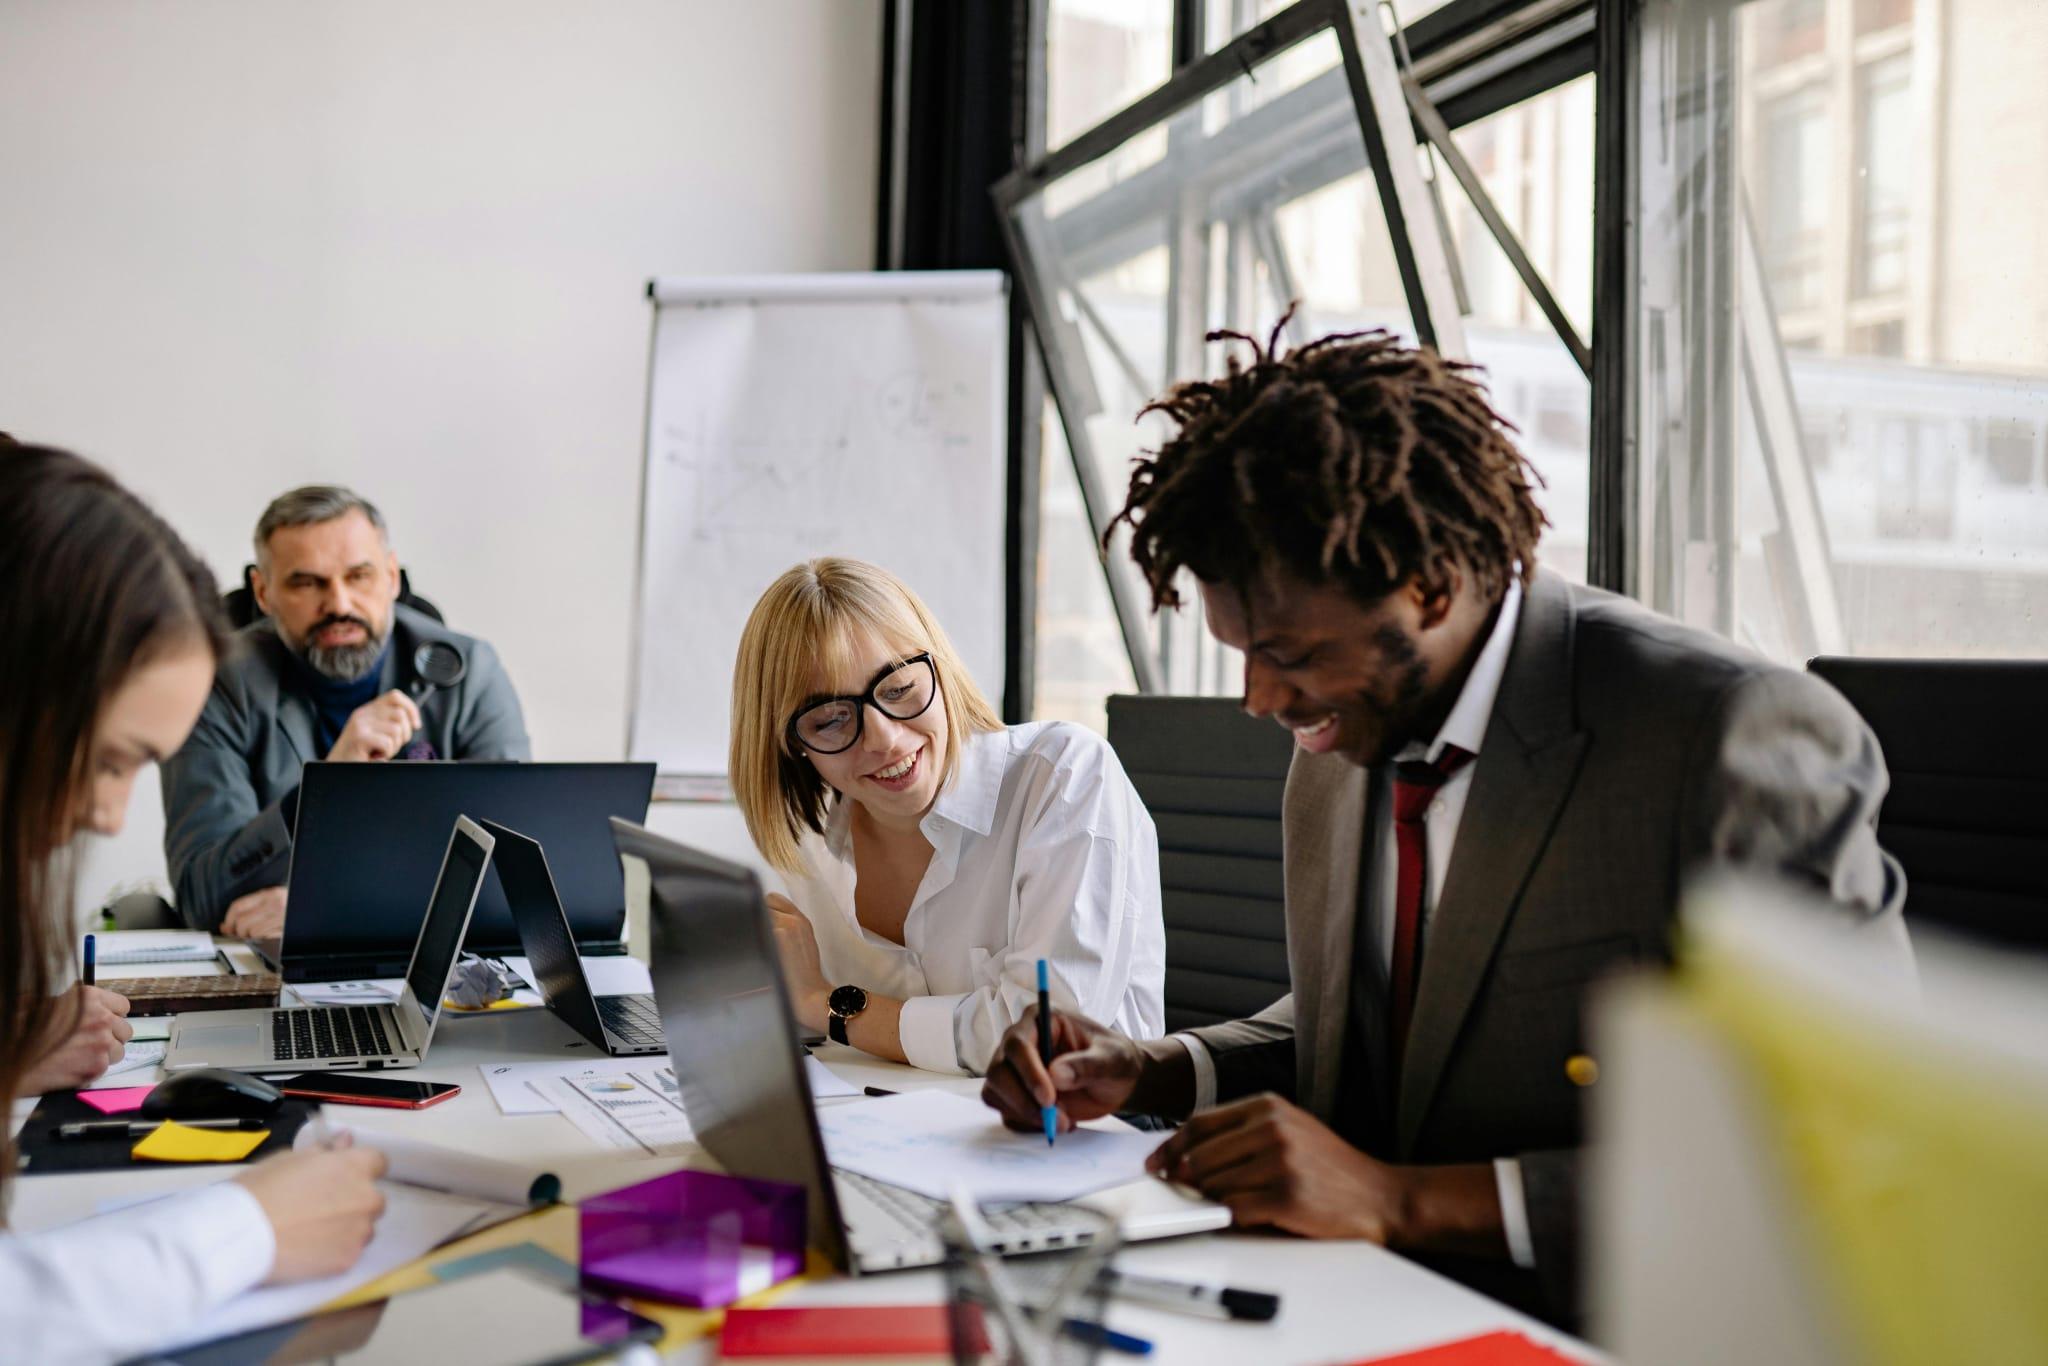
(382, 1102)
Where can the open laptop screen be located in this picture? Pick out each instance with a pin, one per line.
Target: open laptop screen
(731, 1036)
(440, 940)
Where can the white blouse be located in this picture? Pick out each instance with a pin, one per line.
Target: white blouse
(126, 1283)
(1040, 849)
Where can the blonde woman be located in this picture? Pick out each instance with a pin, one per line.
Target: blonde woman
(932, 855)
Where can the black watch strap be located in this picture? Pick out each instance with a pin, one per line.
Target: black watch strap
(835, 1028)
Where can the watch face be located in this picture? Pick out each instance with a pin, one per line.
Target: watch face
(846, 1001)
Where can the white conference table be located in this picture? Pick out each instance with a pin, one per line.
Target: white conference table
(1341, 1301)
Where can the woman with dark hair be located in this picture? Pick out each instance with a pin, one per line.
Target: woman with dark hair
(109, 636)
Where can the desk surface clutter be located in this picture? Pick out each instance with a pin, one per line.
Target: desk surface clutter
(1343, 1302)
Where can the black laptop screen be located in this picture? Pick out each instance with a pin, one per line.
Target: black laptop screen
(441, 937)
(369, 839)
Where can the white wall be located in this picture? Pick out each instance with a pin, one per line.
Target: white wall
(246, 245)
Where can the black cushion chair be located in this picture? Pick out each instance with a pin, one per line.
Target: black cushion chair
(1212, 778)
(1967, 745)
(241, 609)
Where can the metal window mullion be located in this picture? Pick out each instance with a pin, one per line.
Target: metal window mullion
(1075, 398)
(1475, 190)
(1391, 152)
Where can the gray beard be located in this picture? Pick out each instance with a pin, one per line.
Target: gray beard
(344, 663)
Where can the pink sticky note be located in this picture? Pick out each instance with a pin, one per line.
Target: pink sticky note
(116, 1100)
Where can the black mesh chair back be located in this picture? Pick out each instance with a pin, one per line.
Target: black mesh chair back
(1967, 816)
(1212, 778)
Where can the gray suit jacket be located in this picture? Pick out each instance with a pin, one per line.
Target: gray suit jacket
(224, 833)
(1625, 751)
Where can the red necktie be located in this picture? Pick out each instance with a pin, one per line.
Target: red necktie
(1415, 786)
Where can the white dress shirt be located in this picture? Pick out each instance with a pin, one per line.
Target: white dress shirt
(1465, 727)
(126, 1283)
(1041, 848)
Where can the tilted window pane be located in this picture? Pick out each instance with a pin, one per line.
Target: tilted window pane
(1840, 368)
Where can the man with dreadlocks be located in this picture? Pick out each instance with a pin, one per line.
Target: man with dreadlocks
(1500, 781)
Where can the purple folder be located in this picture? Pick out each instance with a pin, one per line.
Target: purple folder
(694, 1238)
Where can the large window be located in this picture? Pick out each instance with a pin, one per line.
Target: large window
(1839, 380)
(1259, 194)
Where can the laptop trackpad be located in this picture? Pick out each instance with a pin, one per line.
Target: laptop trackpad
(212, 1040)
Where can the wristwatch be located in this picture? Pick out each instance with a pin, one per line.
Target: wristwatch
(843, 1004)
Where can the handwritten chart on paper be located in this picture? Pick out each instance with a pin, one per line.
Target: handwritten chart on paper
(790, 417)
(928, 1141)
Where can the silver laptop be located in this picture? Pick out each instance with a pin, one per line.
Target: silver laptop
(308, 1038)
(623, 1025)
(733, 1045)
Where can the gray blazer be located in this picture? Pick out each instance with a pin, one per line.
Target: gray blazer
(1624, 752)
(224, 833)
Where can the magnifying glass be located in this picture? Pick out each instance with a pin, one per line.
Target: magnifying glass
(436, 664)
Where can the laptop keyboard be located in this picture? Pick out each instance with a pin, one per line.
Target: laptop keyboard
(915, 1215)
(632, 1019)
(328, 1032)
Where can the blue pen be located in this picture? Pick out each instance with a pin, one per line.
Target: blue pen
(1096, 1334)
(1050, 1113)
(90, 952)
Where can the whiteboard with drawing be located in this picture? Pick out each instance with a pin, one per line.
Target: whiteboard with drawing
(795, 416)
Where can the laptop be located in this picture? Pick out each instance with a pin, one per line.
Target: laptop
(733, 1045)
(306, 1038)
(368, 836)
(625, 1025)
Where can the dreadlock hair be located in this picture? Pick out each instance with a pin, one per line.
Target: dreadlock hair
(1354, 461)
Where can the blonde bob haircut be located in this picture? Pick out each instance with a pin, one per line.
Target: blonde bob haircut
(806, 623)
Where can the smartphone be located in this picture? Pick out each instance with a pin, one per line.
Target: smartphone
(343, 1089)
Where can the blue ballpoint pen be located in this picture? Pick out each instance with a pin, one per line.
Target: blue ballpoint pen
(1050, 1113)
(91, 953)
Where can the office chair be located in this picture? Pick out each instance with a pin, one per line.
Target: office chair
(1212, 778)
(241, 609)
(1967, 816)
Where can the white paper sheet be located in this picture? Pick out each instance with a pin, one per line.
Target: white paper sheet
(111, 975)
(614, 974)
(514, 1085)
(827, 1084)
(629, 1112)
(452, 1171)
(415, 1222)
(155, 947)
(138, 1066)
(346, 993)
(931, 1141)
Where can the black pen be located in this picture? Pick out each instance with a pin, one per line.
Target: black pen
(138, 1128)
(875, 1091)
(1196, 1297)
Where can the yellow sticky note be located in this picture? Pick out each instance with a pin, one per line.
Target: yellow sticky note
(175, 1142)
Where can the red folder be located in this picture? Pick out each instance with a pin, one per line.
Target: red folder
(1488, 1349)
(869, 1330)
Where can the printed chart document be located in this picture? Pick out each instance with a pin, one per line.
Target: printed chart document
(931, 1141)
(633, 1112)
(516, 1085)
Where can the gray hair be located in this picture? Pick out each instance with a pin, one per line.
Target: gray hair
(309, 506)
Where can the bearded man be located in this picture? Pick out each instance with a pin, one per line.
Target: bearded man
(330, 671)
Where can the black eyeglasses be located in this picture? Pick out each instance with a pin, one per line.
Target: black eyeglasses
(832, 725)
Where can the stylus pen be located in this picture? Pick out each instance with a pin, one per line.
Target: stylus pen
(91, 953)
(1195, 1297)
(139, 1128)
(1049, 1113)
